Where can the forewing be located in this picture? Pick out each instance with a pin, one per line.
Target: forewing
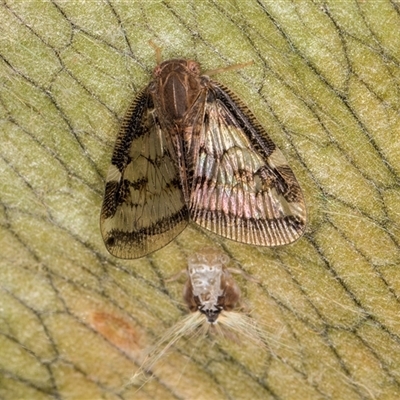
(143, 207)
(243, 188)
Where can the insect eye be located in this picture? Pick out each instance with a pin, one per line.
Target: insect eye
(224, 259)
(193, 66)
(152, 87)
(157, 71)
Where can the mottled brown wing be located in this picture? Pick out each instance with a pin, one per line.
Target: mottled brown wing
(143, 207)
(243, 188)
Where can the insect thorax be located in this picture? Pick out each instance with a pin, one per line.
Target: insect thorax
(176, 86)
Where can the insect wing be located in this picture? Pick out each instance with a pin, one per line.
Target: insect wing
(143, 207)
(243, 188)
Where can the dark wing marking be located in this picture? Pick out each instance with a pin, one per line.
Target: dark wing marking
(243, 188)
(143, 207)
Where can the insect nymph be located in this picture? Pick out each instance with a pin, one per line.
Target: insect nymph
(214, 299)
(210, 287)
(188, 150)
